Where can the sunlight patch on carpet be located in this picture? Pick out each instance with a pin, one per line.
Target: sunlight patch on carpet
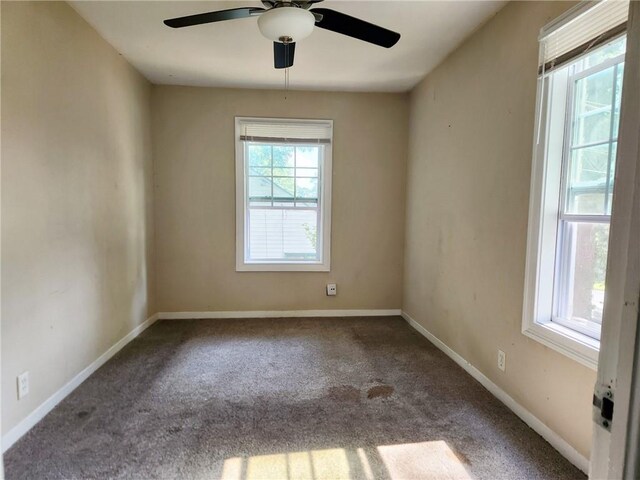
(425, 460)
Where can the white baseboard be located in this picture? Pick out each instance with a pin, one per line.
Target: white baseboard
(13, 435)
(535, 423)
(278, 314)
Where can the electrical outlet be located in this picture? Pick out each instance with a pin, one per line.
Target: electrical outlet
(23, 385)
(502, 360)
(332, 289)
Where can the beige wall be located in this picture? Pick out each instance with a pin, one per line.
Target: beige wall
(471, 134)
(195, 201)
(76, 199)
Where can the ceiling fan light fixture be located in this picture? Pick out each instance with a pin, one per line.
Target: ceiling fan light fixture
(286, 22)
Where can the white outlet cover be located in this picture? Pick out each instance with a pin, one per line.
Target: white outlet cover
(23, 385)
(502, 360)
(332, 289)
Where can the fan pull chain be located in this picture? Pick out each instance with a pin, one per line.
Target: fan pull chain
(286, 71)
(286, 82)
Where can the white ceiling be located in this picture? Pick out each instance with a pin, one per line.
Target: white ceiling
(234, 54)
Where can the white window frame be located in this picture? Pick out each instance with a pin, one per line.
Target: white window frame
(563, 272)
(324, 232)
(544, 210)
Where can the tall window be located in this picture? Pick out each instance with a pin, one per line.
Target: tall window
(594, 88)
(580, 86)
(283, 182)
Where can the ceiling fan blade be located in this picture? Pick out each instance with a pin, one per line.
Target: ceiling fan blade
(283, 54)
(356, 28)
(209, 17)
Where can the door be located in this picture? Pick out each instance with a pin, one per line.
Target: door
(614, 452)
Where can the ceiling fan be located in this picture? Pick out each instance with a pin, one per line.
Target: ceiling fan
(287, 21)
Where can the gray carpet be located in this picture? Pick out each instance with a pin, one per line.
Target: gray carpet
(284, 398)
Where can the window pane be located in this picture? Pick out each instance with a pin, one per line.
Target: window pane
(284, 182)
(283, 187)
(307, 157)
(260, 171)
(611, 50)
(283, 172)
(307, 188)
(259, 187)
(283, 234)
(283, 156)
(259, 155)
(592, 111)
(582, 276)
(593, 127)
(588, 180)
(307, 172)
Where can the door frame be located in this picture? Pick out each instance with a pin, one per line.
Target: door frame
(614, 454)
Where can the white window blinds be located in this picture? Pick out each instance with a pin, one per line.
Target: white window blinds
(582, 29)
(286, 132)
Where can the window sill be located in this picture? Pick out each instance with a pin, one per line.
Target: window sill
(282, 267)
(572, 344)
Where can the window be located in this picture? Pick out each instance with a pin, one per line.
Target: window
(283, 194)
(579, 92)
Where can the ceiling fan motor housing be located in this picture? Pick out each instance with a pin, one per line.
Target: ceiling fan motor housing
(286, 24)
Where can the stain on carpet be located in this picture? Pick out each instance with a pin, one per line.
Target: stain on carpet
(84, 413)
(380, 391)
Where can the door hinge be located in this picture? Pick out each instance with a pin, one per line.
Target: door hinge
(603, 406)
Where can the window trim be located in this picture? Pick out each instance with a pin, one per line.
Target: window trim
(545, 197)
(537, 325)
(324, 265)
